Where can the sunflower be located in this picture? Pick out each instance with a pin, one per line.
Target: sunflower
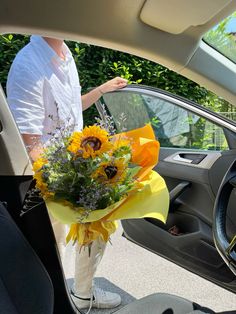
(91, 142)
(121, 147)
(38, 176)
(40, 184)
(39, 163)
(113, 171)
(74, 143)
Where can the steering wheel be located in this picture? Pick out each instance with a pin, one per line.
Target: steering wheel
(226, 249)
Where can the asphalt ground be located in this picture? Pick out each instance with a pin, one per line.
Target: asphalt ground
(135, 272)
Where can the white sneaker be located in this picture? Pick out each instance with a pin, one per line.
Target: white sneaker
(101, 299)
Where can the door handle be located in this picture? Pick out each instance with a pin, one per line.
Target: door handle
(181, 159)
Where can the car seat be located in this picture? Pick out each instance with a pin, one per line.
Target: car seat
(26, 288)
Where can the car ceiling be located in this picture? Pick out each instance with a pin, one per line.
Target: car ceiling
(167, 32)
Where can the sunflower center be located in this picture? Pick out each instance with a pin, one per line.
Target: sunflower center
(111, 171)
(91, 141)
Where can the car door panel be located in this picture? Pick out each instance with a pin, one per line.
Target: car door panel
(202, 258)
(192, 168)
(193, 246)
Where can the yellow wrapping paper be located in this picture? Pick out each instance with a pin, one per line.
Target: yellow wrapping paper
(86, 233)
(150, 199)
(145, 148)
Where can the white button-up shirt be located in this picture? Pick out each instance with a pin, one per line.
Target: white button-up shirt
(43, 91)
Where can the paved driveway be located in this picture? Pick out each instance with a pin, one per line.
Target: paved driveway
(135, 272)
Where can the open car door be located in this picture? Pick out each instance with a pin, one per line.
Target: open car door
(197, 147)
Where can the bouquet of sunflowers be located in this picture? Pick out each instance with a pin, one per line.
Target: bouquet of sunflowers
(89, 179)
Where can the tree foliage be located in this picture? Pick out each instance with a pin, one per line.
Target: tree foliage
(221, 39)
(97, 65)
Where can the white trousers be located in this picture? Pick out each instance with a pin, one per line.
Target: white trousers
(86, 263)
(60, 235)
(86, 260)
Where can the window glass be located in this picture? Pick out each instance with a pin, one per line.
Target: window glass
(173, 125)
(222, 37)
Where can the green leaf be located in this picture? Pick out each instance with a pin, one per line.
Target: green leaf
(133, 171)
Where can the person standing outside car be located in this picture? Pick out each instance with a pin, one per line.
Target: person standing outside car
(42, 83)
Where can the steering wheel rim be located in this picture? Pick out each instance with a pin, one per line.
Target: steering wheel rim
(226, 249)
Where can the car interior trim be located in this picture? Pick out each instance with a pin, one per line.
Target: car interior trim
(122, 31)
(10, 138)
(205, 163)
(176, 21)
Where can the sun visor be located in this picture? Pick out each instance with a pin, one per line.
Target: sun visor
(175, 17)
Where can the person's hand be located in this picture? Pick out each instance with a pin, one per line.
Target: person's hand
(114, 84)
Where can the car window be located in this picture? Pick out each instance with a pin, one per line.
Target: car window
(173, 126)
(222, 37)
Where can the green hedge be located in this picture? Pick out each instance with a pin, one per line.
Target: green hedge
(97, 65)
